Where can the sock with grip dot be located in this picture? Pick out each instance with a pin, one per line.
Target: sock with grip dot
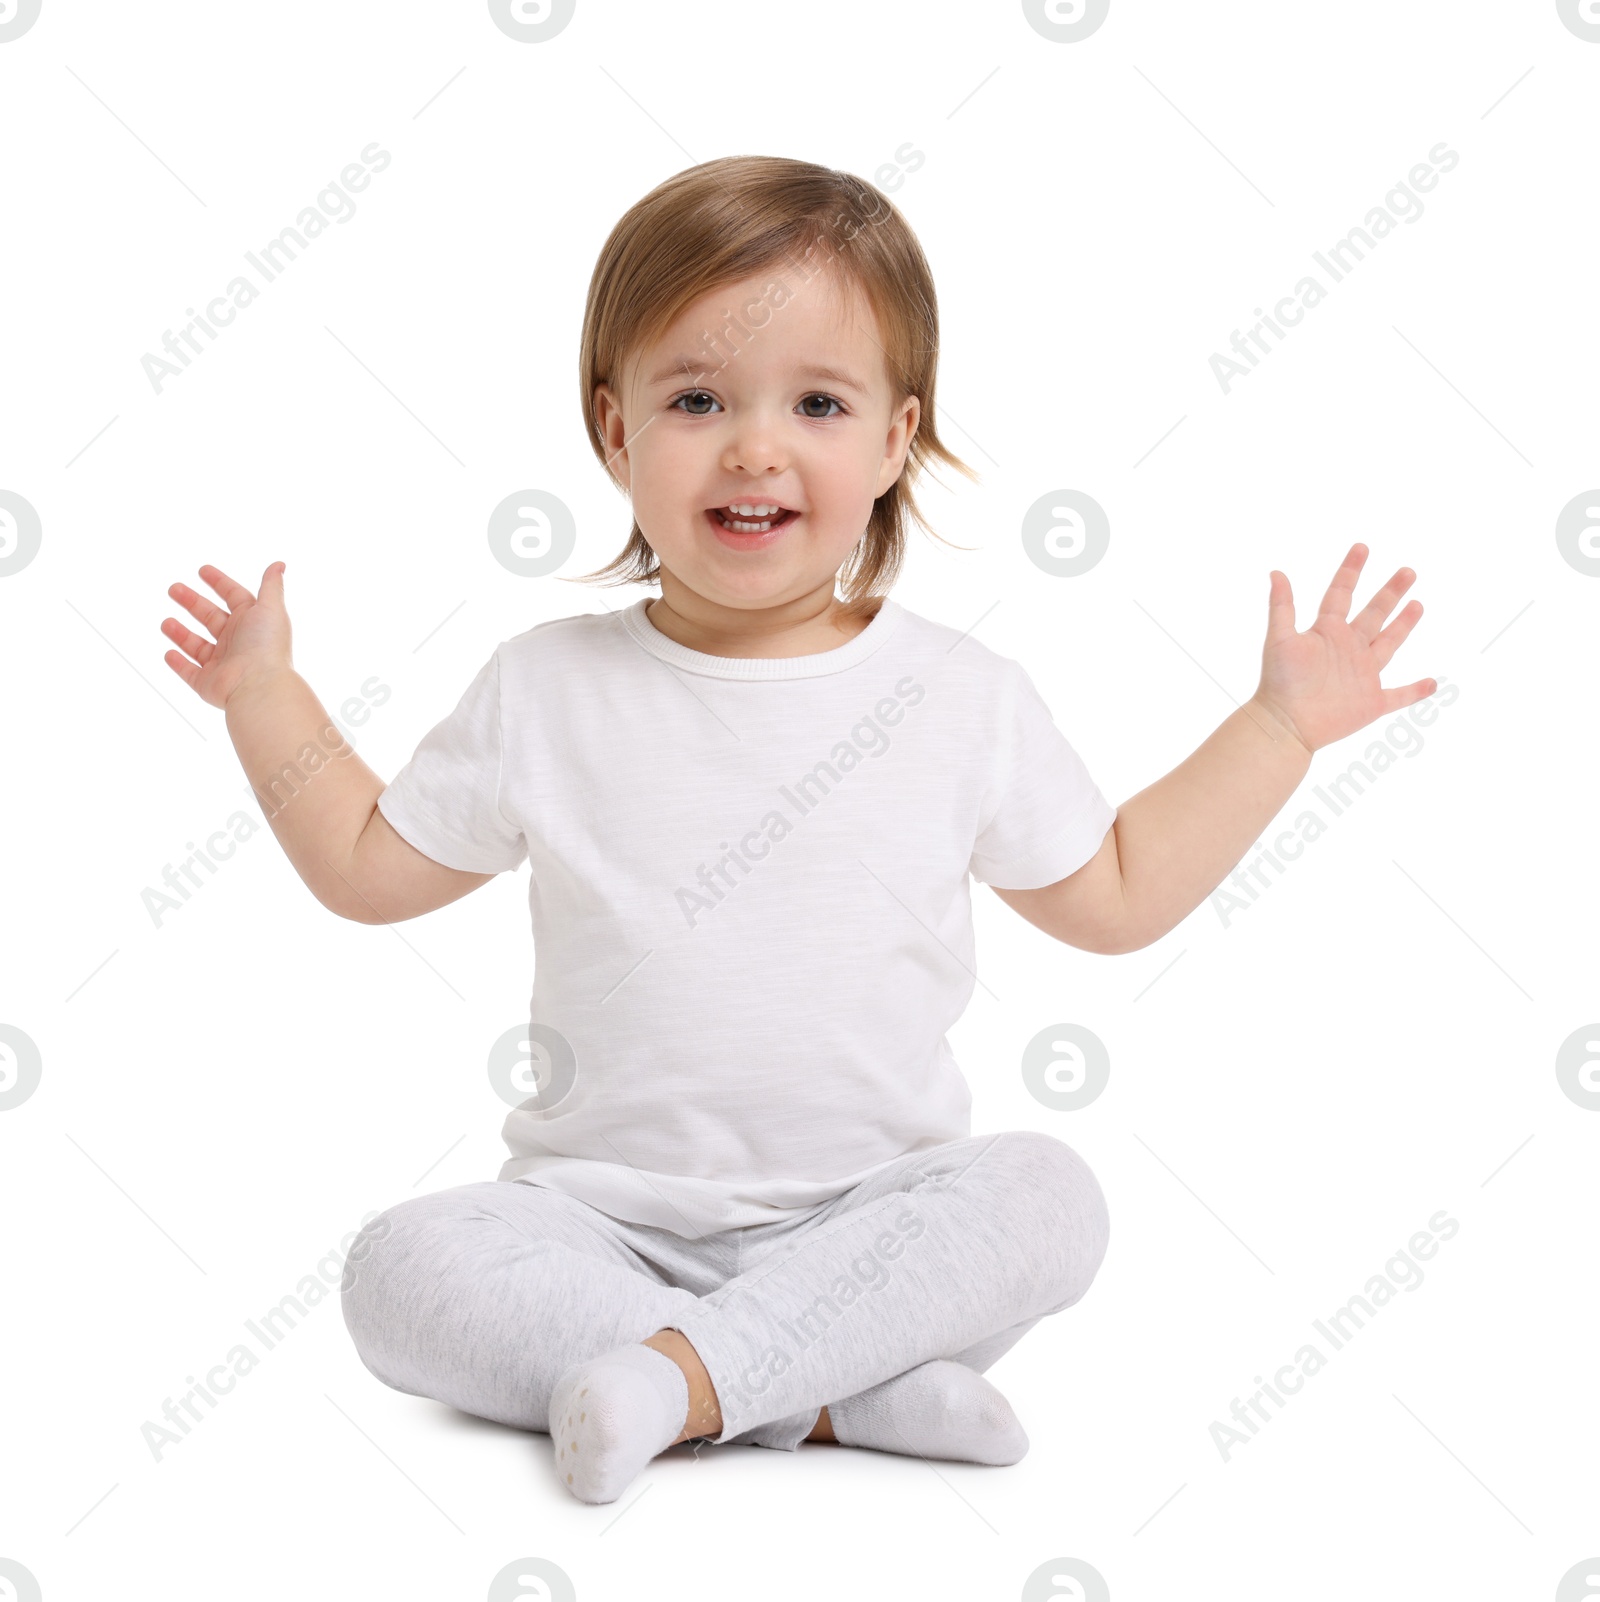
(610, 1415)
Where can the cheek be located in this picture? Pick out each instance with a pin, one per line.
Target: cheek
(851, 477)
(662, 475)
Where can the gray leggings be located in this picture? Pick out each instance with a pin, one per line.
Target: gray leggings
(483, 1296)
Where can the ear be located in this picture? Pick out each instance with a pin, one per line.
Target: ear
(613, 432)
(897, 445)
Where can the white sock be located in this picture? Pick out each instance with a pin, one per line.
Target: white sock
(610, 1415)
(937, 1409)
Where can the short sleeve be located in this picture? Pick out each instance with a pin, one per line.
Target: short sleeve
(1044, 816)
(446, 800)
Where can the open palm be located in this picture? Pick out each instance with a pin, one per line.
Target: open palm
(252, 634)
(1323, 684)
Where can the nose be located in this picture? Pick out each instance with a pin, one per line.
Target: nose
(755, 444)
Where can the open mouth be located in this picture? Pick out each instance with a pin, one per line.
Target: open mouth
(752, 517)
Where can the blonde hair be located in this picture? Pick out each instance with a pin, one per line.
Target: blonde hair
(725, 221)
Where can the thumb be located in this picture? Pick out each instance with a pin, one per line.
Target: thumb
(1280, 609)
(272, 584)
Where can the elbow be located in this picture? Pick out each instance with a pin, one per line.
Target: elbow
(352, 908)
(1111, 942)
(1135, 937)
(360, 909)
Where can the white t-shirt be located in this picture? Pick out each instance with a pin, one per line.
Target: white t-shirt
(752, 921)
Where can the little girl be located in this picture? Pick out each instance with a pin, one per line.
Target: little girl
(745, 1203)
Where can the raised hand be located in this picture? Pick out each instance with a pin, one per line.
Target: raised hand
(251, 634)
(1323, 684)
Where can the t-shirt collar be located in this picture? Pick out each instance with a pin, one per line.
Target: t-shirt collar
(645, 633)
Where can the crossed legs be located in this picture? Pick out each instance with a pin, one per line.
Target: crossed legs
(484, 1296)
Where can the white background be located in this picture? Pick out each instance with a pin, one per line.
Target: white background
(1293, 1094)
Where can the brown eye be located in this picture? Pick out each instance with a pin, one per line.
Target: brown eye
(827, 400)
(693, 395)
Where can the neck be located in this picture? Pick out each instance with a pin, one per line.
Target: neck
(803, 626)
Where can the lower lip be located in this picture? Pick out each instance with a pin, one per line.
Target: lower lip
(750, 542)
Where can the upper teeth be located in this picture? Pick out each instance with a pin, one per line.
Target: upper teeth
(760, 509)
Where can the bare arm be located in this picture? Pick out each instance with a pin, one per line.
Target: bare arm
(1174, 842)
(319, 797)
(322, 802)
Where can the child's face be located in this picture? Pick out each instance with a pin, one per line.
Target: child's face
(717, 414)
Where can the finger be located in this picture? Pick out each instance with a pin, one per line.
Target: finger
(1394, 636)
(183, 667)
(1336, 603)
(196, 645)
(1369, 620)
(230, 589)
(207, 611)
(272, 582)
(1394, 700)
(1280, 608)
